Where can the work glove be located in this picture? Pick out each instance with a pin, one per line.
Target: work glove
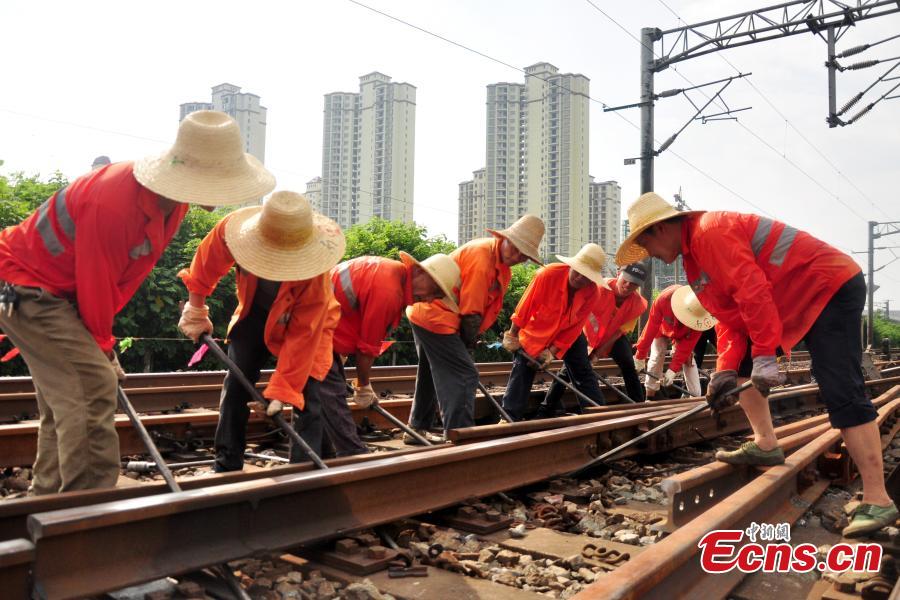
(545, 358)
(114, 361)
(668, 378)
(364, 396)
(195, 321)
(468, 329)
(511, 342)
(720, 384)
(765, 374)
(640, 364)
(274, 408)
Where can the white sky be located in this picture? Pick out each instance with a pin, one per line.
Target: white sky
(91, 77)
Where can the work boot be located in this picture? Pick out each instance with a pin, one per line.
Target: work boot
(751, 454)
(411, 441)
(869, 518)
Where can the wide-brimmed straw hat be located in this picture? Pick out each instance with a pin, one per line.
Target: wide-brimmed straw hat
(284, 239)
(689, 311)
(445, 273)
(588, 262)
(207, 164)
(526, 235)
(650, 208)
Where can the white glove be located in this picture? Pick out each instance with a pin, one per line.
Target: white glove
(668, 378)
(120, 372)
(195, 321)
(640, 364)
(274, 407)
(511, 342)
(545, 358)
(364, 396)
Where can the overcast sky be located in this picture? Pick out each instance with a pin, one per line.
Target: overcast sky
(88, 78)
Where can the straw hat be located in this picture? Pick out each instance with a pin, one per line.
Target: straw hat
(444, 271)
(689, 311)
(284, 240)
(650, 208)
(525, 234)
(588, 262)
(206, 165)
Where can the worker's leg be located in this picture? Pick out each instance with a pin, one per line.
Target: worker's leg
(621, 354)
(455, 377)
(691, 378)
(515, 400)
(582, 373)
(424, 404)
(553, 404)
(247, 348)
(77, 388)
(308, 422)
(655, 365)
(336, 414)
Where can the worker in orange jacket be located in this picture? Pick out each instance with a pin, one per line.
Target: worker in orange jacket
(283, 251)
(547, 324)
(770, 286)
(614, 316)
(372, 292)
(444, 338)
(664, 325)
(72, 265)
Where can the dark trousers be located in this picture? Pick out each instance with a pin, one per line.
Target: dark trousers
(578, 369)
(327, 422)
(622, 356)
(446, 378)
(707, 337)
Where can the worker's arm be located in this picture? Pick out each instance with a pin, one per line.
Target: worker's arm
(363, 367)
(684, 348)
(649, 333)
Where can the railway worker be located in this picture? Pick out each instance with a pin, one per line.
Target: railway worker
(444, 338)
(676, 316)
(614, 316)
(373, 292)
(283, 252)
(547, 324)
(94, 242)
(771, 286)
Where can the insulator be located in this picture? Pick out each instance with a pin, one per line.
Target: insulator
(852, 101)
(666, 144)
(669, 93)
(861, 113)
(853, 50)
(862, 65)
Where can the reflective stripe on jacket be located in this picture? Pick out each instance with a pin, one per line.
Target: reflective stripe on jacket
(544, 316)
(297, 320)
(94, 241)
(607, 320)
(484, 282)
(662, 323)
(372, 291)
(762, 279)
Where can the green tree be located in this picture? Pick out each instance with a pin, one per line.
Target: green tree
(379, 237)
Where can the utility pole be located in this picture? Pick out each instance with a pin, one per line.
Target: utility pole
(870, 287)
(648, 36)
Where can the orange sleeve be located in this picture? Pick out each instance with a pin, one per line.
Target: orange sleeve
(477, 278)
(526, 303)
(211, 262)
(304, 334)
(684, 348)
(649, 333)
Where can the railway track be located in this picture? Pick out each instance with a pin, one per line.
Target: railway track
(90, 542)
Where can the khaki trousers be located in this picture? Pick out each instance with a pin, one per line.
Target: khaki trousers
(78, 447)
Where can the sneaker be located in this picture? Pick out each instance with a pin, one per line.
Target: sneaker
(869, 518)
(751, 454)
(411, 441)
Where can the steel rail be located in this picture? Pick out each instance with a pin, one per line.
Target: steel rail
(671, 563)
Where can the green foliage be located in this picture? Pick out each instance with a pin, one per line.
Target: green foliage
(379, 237)
(886, 328)
(20, 195)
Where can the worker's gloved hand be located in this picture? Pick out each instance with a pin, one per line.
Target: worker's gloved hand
(274, 408)
(195, 321)
(720, 384)
(640, 364)
(511, 342)
(468, 329)
(668, 378)
(114, 361)
(545, 358)
(765, 374)
(364, 396)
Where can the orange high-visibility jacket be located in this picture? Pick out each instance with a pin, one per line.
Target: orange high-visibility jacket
(544, 316)
(761, 279)
(372, 291)
(608, 321)
(297, 319)
(662, 323)
(94, 242)
(484, 281)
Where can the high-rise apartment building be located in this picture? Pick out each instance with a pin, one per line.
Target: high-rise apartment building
(314, 193)
(537, 156)
(471, 223)
(605, 216)
(246, 110)
(368, 150)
